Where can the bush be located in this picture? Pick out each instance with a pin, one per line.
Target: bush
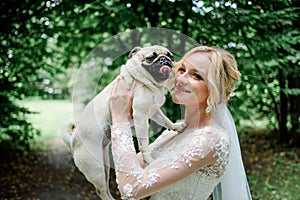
(14, 127)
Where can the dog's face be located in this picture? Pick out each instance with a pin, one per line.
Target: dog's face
(157, 60)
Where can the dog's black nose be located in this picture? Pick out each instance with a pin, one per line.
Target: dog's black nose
(162, 60)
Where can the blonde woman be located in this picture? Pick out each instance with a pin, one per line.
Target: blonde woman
(187, 165)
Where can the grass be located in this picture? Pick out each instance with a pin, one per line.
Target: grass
(279, 181)
(51, 115)
(273, 170)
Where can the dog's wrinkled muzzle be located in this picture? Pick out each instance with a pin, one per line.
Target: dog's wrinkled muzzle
(166, 68)
(160, 68)
(166, 65)
(162, 61)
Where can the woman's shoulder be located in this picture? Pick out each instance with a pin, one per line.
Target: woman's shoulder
(213, 129)
(215, 138)
(213, 133)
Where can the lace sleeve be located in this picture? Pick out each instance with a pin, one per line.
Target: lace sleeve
(135, 182)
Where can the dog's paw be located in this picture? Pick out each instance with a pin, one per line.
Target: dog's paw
(147, 158)
(179, 126)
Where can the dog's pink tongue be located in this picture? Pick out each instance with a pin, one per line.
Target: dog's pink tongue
(165, 69)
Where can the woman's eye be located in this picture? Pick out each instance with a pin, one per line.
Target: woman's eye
(181, 70)
(197, 76)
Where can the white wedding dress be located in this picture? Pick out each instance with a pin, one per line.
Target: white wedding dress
(201, 183)
(186, 166)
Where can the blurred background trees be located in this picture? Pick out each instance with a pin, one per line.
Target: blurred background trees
(43, 43)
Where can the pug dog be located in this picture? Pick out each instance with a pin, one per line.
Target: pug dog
(89, 135)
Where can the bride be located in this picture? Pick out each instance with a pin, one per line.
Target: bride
(202, 160)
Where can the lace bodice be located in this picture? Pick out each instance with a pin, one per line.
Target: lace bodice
(185, 166)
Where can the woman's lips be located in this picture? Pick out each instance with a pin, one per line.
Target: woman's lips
(180, 90)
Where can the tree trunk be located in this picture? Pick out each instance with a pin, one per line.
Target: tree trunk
(294, 109)
(282, 121)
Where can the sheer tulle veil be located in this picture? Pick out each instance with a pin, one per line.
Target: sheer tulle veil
(234, 184)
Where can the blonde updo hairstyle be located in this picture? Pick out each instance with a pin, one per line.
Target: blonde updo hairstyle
(222, 74)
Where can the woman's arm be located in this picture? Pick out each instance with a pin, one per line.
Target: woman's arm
(121, 111)
(136, 180)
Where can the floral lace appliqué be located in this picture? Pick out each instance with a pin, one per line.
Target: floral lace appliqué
(194, 146)
(198, 144)
(152, 178)
(128, 192)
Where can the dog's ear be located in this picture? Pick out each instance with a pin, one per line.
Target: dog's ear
(133, 51)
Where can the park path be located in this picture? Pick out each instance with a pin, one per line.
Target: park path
(48, 174)
(66, 181)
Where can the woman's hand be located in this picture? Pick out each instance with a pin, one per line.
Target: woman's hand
(121, 102)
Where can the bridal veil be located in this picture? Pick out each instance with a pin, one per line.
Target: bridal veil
(234, 184)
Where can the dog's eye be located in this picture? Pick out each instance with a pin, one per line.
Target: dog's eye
(170, 56)
(152, 57)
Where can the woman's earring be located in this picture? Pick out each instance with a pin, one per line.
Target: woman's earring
(207, 110)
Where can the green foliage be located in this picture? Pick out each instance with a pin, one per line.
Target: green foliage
(24, 33)
(14, 126)
(43, 43)
(271, 41)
